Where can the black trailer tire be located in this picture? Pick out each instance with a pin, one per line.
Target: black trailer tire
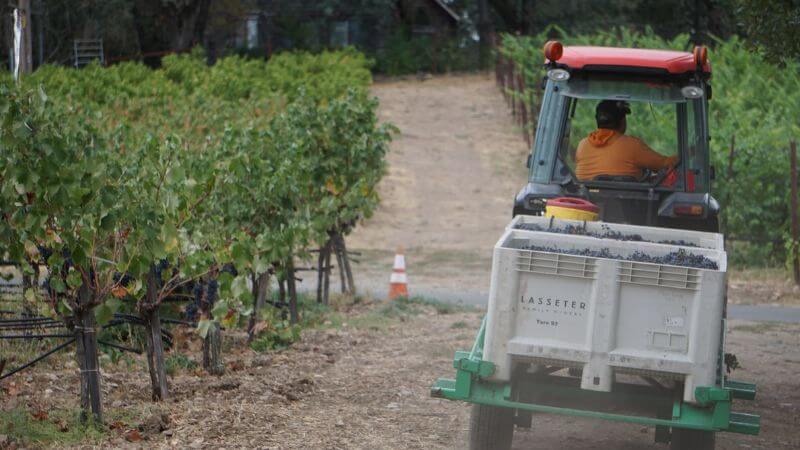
(491, 428)
(683, 439)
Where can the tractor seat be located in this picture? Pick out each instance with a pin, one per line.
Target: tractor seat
(616, 178)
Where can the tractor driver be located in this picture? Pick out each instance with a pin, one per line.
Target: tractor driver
(607, 151)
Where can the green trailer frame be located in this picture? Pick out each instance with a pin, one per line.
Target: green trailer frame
(712, 412)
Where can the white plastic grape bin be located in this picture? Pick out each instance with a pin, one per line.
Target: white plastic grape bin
(606, 316)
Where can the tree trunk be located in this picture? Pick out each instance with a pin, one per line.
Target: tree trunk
(155, 355)
(40, 32)
(80, 357)
(87, 354)
(191, 25)
(164, 25)
(26, 50)
(294, 315)
(148, 309)
(212, 359)
(348, 270)
(212, 352)
(509, 12)
(483, 34)
(260, 292)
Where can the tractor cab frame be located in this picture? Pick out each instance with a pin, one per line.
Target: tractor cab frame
(676, 84)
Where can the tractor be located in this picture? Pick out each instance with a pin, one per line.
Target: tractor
(589, 333)
(668, 93)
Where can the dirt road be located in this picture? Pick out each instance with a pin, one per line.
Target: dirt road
(453, 173)
(361, 381)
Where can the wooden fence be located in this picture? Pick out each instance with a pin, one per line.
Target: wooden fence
(524, 103)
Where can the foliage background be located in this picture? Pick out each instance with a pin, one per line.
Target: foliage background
(753, 101)
(149, 29)
(191, 166)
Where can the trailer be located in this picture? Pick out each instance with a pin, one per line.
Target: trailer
(578, 316)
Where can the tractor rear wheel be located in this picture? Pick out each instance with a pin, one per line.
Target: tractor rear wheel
(491, 428)
(683, 439)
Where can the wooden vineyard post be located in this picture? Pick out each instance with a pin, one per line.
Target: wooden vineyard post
(252, 322)
(282, 289)
(260, 291)
(212, 347)
(212, 343)
(80, 356)
(27, 308)
(345, 271)
(88, 362)
(340, 261)
(153, 338)
(155, 356)
(321, 270)
(346, 268)
(327, 284)
(795, 218)
(291, 286)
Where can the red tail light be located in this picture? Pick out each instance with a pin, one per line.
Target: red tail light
(689, 210)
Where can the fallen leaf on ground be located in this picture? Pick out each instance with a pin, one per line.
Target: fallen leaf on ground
(133, 435)
(12, 389)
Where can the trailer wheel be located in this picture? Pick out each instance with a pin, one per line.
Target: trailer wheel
(491, 428)
(683, 439)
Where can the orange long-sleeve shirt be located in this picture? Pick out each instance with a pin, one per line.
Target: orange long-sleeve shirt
(607, 152)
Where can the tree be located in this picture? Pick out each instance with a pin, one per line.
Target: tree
(773, 25)
(170, 24)
(667, 17)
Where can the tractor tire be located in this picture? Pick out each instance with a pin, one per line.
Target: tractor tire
(491, 428)
(683, 439)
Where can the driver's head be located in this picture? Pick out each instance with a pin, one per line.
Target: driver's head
(610, 114)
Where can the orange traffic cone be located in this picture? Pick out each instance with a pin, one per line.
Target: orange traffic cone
(398, 283)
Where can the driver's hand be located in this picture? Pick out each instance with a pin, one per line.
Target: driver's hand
(673, 161)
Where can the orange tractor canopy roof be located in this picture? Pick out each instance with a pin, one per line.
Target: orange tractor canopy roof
(673, 62)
